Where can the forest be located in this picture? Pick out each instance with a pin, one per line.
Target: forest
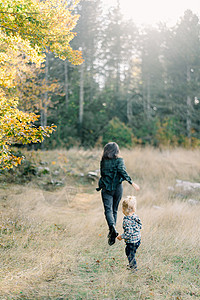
(133, 84)
(136, 85)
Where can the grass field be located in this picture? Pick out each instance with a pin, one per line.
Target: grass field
(53, 243)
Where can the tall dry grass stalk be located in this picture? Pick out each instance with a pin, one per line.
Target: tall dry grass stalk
(54, 246)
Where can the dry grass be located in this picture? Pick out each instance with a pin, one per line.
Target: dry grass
(54, 246)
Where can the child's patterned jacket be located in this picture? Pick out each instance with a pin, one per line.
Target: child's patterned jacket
(131, 225)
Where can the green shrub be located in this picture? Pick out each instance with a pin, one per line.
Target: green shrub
(23, 172)
(118, 132)
(166, 134)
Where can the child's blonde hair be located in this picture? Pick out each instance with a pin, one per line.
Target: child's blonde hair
(129, 204)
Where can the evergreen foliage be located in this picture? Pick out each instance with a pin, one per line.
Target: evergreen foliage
(138, 78)
(136, 85)
(119, 132)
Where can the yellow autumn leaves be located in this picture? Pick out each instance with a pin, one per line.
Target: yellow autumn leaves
(27, 29)
(47, 24)
(17, 127)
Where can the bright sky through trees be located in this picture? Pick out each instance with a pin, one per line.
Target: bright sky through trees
(154, 11)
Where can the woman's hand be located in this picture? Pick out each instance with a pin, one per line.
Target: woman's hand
(136, 187)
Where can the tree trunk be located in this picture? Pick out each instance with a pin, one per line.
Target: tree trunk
(129, 109)
(118, 77)
(148, 97)
(45, 100)
(81, 97)
(66, 85)
(189, 105)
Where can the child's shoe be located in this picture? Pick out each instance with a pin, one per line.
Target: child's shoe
(132, 268)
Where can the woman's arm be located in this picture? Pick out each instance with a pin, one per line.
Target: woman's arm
(122, 171)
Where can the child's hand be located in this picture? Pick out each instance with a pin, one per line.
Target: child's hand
(136, 187)
(119, 237)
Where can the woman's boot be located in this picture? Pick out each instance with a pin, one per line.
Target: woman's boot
(112, 235)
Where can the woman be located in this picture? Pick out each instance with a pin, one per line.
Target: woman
(113, 172)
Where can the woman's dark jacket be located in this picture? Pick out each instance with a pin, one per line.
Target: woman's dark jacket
(113, 172)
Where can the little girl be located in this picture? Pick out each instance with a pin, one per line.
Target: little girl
(113, 172)
(132, 226)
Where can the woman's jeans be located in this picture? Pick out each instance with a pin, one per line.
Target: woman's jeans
(111, 201)
(130, 251)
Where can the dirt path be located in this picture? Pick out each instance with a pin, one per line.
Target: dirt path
(52, 206)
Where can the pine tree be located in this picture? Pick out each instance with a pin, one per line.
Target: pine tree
(183, 65)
